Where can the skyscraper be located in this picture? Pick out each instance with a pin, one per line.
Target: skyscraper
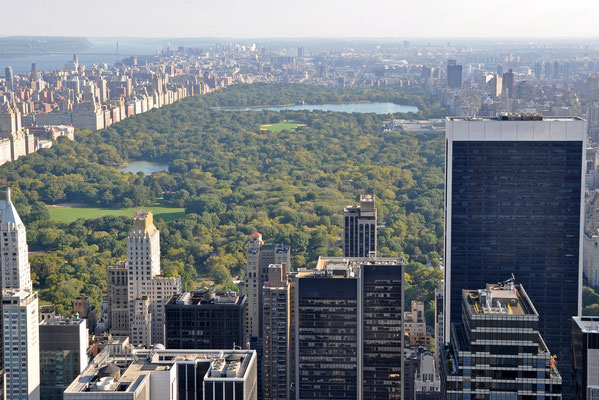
(21, 344)
(454, 74)
(10, 80)
(585, 361)
(497, 352)
(514, 190)
(349, 329)
(148, 290)
(276, 325)
(13, 246)
(33, 76)
(259, 257)
(118, 301)
(508, 82)
(19, 308)
(359, 228)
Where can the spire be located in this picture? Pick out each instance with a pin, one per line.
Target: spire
(10, 212)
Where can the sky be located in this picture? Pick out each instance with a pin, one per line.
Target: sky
(303, 18)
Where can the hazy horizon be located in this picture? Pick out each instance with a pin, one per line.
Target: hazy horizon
(332, 19)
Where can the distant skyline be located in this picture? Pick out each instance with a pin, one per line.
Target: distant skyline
(306, 18)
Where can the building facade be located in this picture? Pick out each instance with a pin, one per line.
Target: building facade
(349, 329)
(454, 74)
(360, 228)
(497, 351)
(117, 277)
(514, 195)
(63, 355)
(21, 344)
(206, 320)
(585, 360)
(259, 257)
(276, 371)
(13, 246)
(148, 291)
(415, 325)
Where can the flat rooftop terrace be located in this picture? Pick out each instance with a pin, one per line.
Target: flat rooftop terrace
(129, 369)
(504, 298)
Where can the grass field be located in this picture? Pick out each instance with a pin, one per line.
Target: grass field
(70, 214)
(279, 126)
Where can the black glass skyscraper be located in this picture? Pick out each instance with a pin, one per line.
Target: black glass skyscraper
(349, 329)
(514, 187)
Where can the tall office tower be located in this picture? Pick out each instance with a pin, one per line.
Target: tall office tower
(259, 257)
(359, 228)
(13, 246)
(514, 190)
(10, 80)
(117, 277)
(21, 344)
(538, 70)
(33, 76)
(301, 52)
(585, 360)
(508, 82)
(454, 74)
(148, 291)
(205, 320)
(276, 373)
(15, 274)
(592, 116)
(497, 351)
(63, 355)
(548, 70)
(349, 329)
(555, 69)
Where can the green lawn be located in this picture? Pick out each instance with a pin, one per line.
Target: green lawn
(70, 214)
(279, 126)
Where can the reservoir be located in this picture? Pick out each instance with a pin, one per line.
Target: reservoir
(377, 108)
(147, 167)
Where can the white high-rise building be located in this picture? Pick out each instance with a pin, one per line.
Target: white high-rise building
(21, 344)
(13, 246)
(148, 291)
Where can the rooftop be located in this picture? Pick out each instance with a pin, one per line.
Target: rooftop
(355, 262)
(206, 297)
(504, 298)
(587, 324)
(345, 267)
(62, 322)
(515, 117)
(124, 372)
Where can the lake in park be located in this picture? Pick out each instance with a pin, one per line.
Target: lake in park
(377, 108)
(147, 167)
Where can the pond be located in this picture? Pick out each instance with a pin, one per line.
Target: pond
(147, 167)
(377, 108)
